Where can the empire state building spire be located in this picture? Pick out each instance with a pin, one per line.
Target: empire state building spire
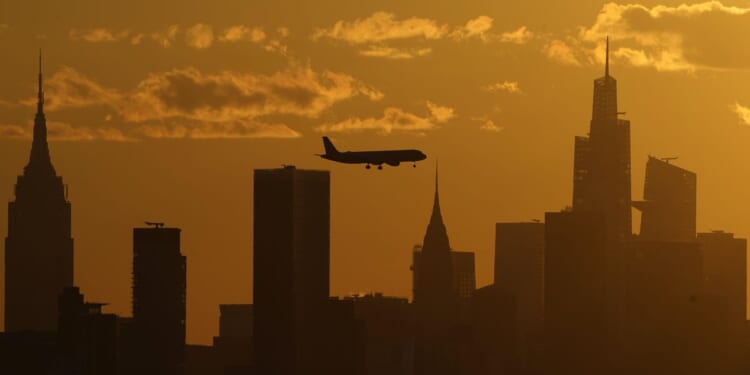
(39, 161)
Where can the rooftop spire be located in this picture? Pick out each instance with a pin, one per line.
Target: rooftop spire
(39, 161)
(606, 64)
(436, 237)
(40, 92)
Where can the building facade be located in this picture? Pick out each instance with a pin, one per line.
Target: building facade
(291, 253)
(159, 299)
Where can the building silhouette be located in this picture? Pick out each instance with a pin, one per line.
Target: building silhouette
(38, 249)
(234, 345)
(291, 254)
(601, 177)
(491, 347)
(86, 337)
(436, 301)
(519, 271)
(668, 205)
(389, 333)
(159, 289)
(725, 272)
(577, 331)
(601, 184)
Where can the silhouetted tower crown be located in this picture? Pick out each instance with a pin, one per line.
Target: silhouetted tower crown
(39, 161)
(436, 236)
(605, 96)
(38, 249)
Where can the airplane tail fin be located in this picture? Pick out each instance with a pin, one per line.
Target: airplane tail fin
(330, 148)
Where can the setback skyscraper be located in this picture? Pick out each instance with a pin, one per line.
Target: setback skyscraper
(601, 177)
(38, 249)
(435, 300)
(601, 185)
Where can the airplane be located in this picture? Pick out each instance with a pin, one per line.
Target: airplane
(391, 157)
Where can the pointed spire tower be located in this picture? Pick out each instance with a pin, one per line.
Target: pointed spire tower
(436, 236)
(39, 161)
(605, 96)
(39, 241)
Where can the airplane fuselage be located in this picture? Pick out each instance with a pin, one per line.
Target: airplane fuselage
(389, 157)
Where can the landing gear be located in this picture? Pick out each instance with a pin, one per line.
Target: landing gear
(414, 165)
(367, 166)
(380, 167)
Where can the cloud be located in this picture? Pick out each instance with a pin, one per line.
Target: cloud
(67, 88)
(440, 113)
(393, 119)
(201, 105)
(374, 33)
(562, 52)
(60, 131)
(199, 36)
(394, 53)
(486, 124)
(166, 37)
(522, 35)
(490, 126)
(511, 87)
(742, 112)
(136, 39)
(684, 37)
(382, 26)
(8, 131)
(477, 27)
(227, 96)
(283, 31)
(219, 130)
(98, 35)
(242, 33)
(276, 46)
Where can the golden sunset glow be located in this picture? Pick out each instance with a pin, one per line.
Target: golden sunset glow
(160, 111)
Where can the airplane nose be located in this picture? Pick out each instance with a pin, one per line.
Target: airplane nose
(422, 154)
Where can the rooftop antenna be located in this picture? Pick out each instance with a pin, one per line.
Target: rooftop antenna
(606, 64)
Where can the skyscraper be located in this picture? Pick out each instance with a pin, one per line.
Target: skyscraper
(601, 180)
(601, 184)
(577, 330)
(38, 249)
(668, 205)
(158, 300)
(435, 300)
(725, 271)
(290, 269)
(519, 271)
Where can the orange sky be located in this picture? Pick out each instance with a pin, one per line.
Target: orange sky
(162, 111)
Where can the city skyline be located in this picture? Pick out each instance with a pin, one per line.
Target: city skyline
(205, 186)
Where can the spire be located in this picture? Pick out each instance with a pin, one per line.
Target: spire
(606, 64)
(437, 216)
(39, 162)
(40, 92)
(436, 237)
